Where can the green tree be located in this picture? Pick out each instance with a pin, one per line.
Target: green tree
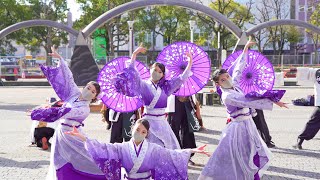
(238, 13)
(315, 20)
(147, 22)
(114, 32)
(173, 23)
(11, 12)
(293, 36)
(45, 37)
(275, 36)
(168, 21)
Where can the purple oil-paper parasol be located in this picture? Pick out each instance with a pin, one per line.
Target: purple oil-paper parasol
(175, 60)
(258, 74)
(111, 96)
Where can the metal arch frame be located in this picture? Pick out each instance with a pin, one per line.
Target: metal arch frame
(38, 22)
(243, 40)
(242, 36)
(143, 3)
(282, 22)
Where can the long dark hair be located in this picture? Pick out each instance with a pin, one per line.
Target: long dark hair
(161, 66)
(97, 86)
(217, 73)
(162, 81)
(144, 122)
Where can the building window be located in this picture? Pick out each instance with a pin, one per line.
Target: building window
(301, 8)
(310, 8)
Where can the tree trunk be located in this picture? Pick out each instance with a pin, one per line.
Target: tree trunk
(110, 36)
(118, 37)
(316, 49)
(154, 39)
(106, 37)
(259, 41)
(48, 44)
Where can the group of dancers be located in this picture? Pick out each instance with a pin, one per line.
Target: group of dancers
(153, 152)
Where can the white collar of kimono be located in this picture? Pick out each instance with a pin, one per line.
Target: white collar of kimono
(137, 161)
(156, 92)
(236, 88)
(72, 101)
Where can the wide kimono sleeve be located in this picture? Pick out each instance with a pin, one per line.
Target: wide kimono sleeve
(172, 85)
(129, 82)
(54, 113)
(77, 113)
(49, 114)
(172, 164)
(237, 69)
(305, 74)
(61, 80)
(273, 95)
(239, 100)
(107, 157)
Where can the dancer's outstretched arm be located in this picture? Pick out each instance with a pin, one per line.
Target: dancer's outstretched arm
(129, 82)
(240, 64)
(61, 78)
(139, 50)
(107, 156)
(239, 100)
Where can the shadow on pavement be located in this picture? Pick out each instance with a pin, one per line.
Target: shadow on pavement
(266, 176)
(17, 107)
(206, 115)
(4, 162)
(193, 176)
(196, 168)
(303, 152)
(210, 131)
(306, 174)
(206, 140)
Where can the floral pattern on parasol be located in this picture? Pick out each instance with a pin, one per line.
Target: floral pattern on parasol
(175, 60)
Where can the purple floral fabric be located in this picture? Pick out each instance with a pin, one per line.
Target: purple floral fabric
(49, 114)
(69, 172)
(111, 168)
(61, 80)
(106, 157)
(241, 154)
(130, 83)
(273, 95)
(173, 164)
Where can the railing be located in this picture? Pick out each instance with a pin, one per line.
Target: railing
(294, 60)
(31, 67)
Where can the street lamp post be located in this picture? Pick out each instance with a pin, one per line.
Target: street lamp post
(130, 23)
(218, 52)
(192, 24)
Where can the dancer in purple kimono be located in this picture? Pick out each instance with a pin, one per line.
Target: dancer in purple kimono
(241, 153)
(69, 158)
(154, 93)
(140, 158)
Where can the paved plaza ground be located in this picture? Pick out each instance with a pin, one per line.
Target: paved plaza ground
(18, 161)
